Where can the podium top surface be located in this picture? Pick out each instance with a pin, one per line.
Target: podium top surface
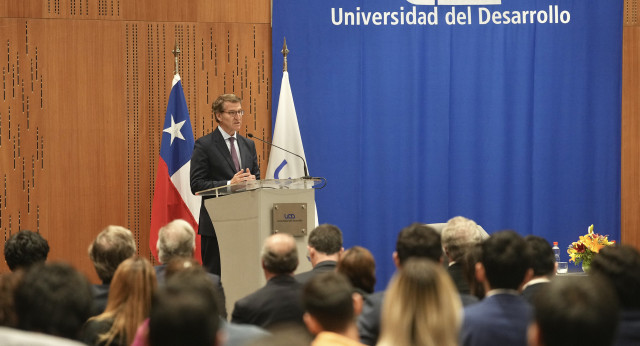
(293, 184)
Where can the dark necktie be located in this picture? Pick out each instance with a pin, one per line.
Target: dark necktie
(234, 155)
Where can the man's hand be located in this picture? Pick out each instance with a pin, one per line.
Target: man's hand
(242, 176)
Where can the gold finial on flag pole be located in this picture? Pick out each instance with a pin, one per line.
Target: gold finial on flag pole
(176, 52)
(284, 52)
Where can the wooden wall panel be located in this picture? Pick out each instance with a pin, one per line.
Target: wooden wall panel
(84, 94)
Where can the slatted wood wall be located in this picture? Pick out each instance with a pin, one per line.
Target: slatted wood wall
(84, 90)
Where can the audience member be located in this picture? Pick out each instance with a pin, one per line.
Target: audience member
(324, 247)
(279, 300)
(8, 284)
(503, 316)
(469, 260)
(176, 240)
(25, 248)
(359, 266)
(620, 265)
(458, 235)
(15, 337)
(129, 303)
(331, 308)
(582, 311)
(110, 248)
(53, 299)
(289, 335)
(543, 264)
(415, 241)
(421, 307)
(185, 312)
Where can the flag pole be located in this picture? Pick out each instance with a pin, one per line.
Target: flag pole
(284, 52)
(176, 52)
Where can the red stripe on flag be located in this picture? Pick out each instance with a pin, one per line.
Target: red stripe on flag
(168, 205)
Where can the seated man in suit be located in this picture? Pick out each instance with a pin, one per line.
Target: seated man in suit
(503, 316)
(177, 239)
(325, 247)
(416, 240)
(331, 307)
(543, 264)
(458, 235)
(620, 265)
(110, 248)
(279, 300)
(578, 311)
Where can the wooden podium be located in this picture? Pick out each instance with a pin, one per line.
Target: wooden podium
(243, 216)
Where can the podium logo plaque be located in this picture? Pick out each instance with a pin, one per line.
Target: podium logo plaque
(290, 218)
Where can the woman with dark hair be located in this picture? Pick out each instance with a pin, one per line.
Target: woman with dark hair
(129, 304)
(359, 266)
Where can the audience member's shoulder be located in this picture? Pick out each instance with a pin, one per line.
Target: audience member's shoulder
(241, 334)
(14, 337)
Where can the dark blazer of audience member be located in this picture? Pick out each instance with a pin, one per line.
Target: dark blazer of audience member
(582, 311)
(177, 239)
(543, 264)
(331, 308)
(54, 299)
(324, 248)
(132, 288)
(620, 265)
(458, 235)
(359, 266)
(185, 312)
(415, 241)
(279, 300)
(24, 249)
(110, 248)
(502, 317)
(421, 307)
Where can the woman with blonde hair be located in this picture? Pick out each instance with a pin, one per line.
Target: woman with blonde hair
(421, 307)
(129, 303)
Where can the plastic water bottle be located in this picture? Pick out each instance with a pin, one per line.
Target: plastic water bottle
(556, 251)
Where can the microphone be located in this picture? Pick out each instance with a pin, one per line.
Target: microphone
(306, 173)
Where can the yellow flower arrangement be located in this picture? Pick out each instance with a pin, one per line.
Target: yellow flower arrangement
(584, 249)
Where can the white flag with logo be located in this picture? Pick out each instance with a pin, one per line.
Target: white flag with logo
(286, 134)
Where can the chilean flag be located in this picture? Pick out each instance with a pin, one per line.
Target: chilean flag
(172, 198)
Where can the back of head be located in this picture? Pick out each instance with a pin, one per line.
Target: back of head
(421, 306)
(620, 265)
(53, 299)
(580, 311)
(176, 239)
(359, 266)
(112, 246)
(24, 249)
(542, 259)
(327, 298)
(8, 283)
(185, 312)
(505, 259)
(279, 254)
(326, 238)
(458, 235)
(418, 240)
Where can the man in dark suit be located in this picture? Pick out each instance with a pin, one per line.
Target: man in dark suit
(279, 300)
(543, 264)
(324, 247)
(221, 158)
(503, 316)
(459, 235)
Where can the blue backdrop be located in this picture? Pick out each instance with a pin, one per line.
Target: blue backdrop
(495, 112)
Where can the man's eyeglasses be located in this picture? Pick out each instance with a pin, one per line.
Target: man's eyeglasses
(234, 113)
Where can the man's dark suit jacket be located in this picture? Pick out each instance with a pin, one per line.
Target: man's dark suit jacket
(212, 166)
(629, 328)
(456, 271)
(277, 302)
(530, 291)
(500, 319)
(100, 295)
(322, 267)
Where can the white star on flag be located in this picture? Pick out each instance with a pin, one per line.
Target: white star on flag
(174, 129)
